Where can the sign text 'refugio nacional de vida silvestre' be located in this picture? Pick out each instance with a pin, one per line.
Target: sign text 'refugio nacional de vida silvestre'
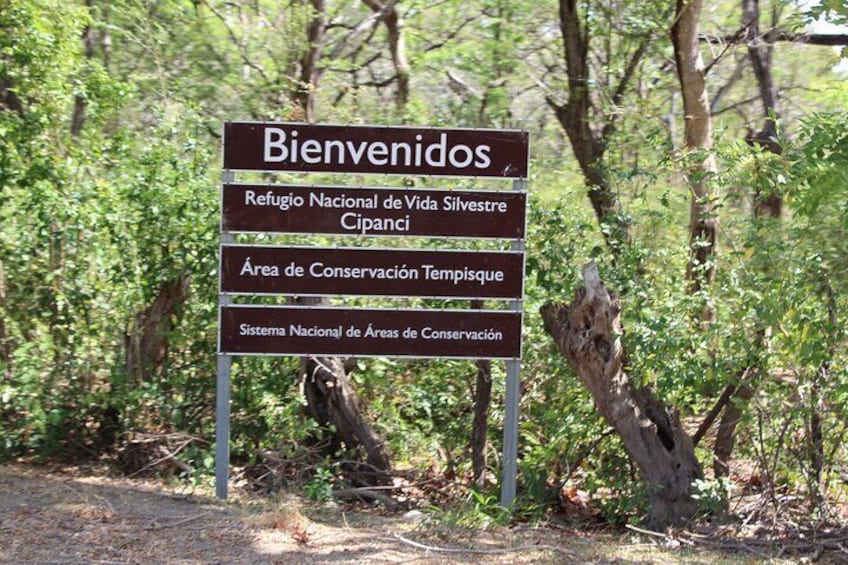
(373, 211)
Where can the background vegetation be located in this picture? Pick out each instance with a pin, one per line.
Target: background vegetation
(110, 121)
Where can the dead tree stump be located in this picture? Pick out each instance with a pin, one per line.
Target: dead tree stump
(588, 332)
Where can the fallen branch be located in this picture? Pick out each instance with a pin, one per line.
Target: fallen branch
(646, 532)
(156, 526)
(499, 551)
(668, 538)
(169, 456)
(365, 492)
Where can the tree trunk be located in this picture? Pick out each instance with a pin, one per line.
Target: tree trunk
(726, 433)
(331, 399)
(816, 401)
(765, 205)
(78, 117)
(9, 100)
(5, 344)
(482, 404)
(768, 205)
(589, 145)
(307, 87)
(701, 166)
(393, 21)
(147, 342)
(588, 332)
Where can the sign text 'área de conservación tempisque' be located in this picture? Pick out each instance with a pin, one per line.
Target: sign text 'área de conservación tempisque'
(255, 269)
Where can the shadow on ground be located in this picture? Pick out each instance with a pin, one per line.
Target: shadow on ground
(67, 517)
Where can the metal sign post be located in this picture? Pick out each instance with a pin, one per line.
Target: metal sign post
(222, 390)
(513, 396)
(222, 426)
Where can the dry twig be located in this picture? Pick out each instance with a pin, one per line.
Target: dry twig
(498, 551)
(156, 526)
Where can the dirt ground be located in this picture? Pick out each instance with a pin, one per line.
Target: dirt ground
(69, 516)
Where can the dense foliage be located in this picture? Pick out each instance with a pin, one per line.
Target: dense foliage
(110, 119)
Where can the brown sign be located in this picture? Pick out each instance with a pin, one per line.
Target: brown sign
(256, 146)
(398, 333)
(375, 272)
(373, 211)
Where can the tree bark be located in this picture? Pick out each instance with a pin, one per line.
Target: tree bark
(147, 342)
(701, 165)
(726, 433)
(482, 405)
(78, 117)
(332, 400)
(588, 332)
(5, 344)
(304, 95)
(9, 101)
(330, 397)
(759, 52)
(824, 39)
(765, 205)
(816, 401)
(393, 21)
(589, 145)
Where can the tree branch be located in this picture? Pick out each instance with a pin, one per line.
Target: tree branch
(242, 51)
(826, 39)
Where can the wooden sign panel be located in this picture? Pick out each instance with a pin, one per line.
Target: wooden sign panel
(473, 334)
(251, 269)
(373, 211)
(257, 146)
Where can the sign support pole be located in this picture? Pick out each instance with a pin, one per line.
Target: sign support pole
(222, 392)
(513, 397)
(510, 439)
(222, 429)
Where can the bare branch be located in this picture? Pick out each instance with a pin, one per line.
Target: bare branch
(242, 51)
(452, 35)
(825, 39)
(734, 78)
